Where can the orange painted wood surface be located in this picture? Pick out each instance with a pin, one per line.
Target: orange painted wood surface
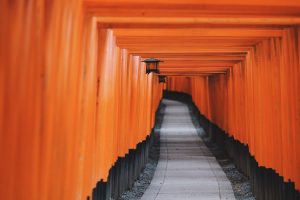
(257, 102)
(74, 95)
(71, 101)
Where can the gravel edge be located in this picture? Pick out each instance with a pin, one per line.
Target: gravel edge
(144, 180)
(146, 176)
(240, 183)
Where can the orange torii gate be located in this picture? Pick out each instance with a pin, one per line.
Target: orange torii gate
(74, 96)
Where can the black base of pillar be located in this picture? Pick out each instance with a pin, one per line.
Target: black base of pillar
(266, 183)
(123, 173)
(126, 170)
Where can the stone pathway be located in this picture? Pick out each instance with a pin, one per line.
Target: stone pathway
(186, 170)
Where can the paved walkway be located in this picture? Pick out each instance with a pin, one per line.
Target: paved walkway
(186, 169)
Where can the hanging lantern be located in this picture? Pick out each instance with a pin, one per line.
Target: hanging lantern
(162, 79)
(152, 65)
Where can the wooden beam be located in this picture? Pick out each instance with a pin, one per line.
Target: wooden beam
(204, 32)
(200, 20)
(207, 63)
(189, 51)
(216, 8)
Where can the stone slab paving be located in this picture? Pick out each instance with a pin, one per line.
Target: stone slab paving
(186, 170)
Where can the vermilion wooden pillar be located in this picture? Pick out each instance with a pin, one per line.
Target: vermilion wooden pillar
(74, 96)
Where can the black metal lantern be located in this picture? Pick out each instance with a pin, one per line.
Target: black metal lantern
(152, 65)
(162, 79)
